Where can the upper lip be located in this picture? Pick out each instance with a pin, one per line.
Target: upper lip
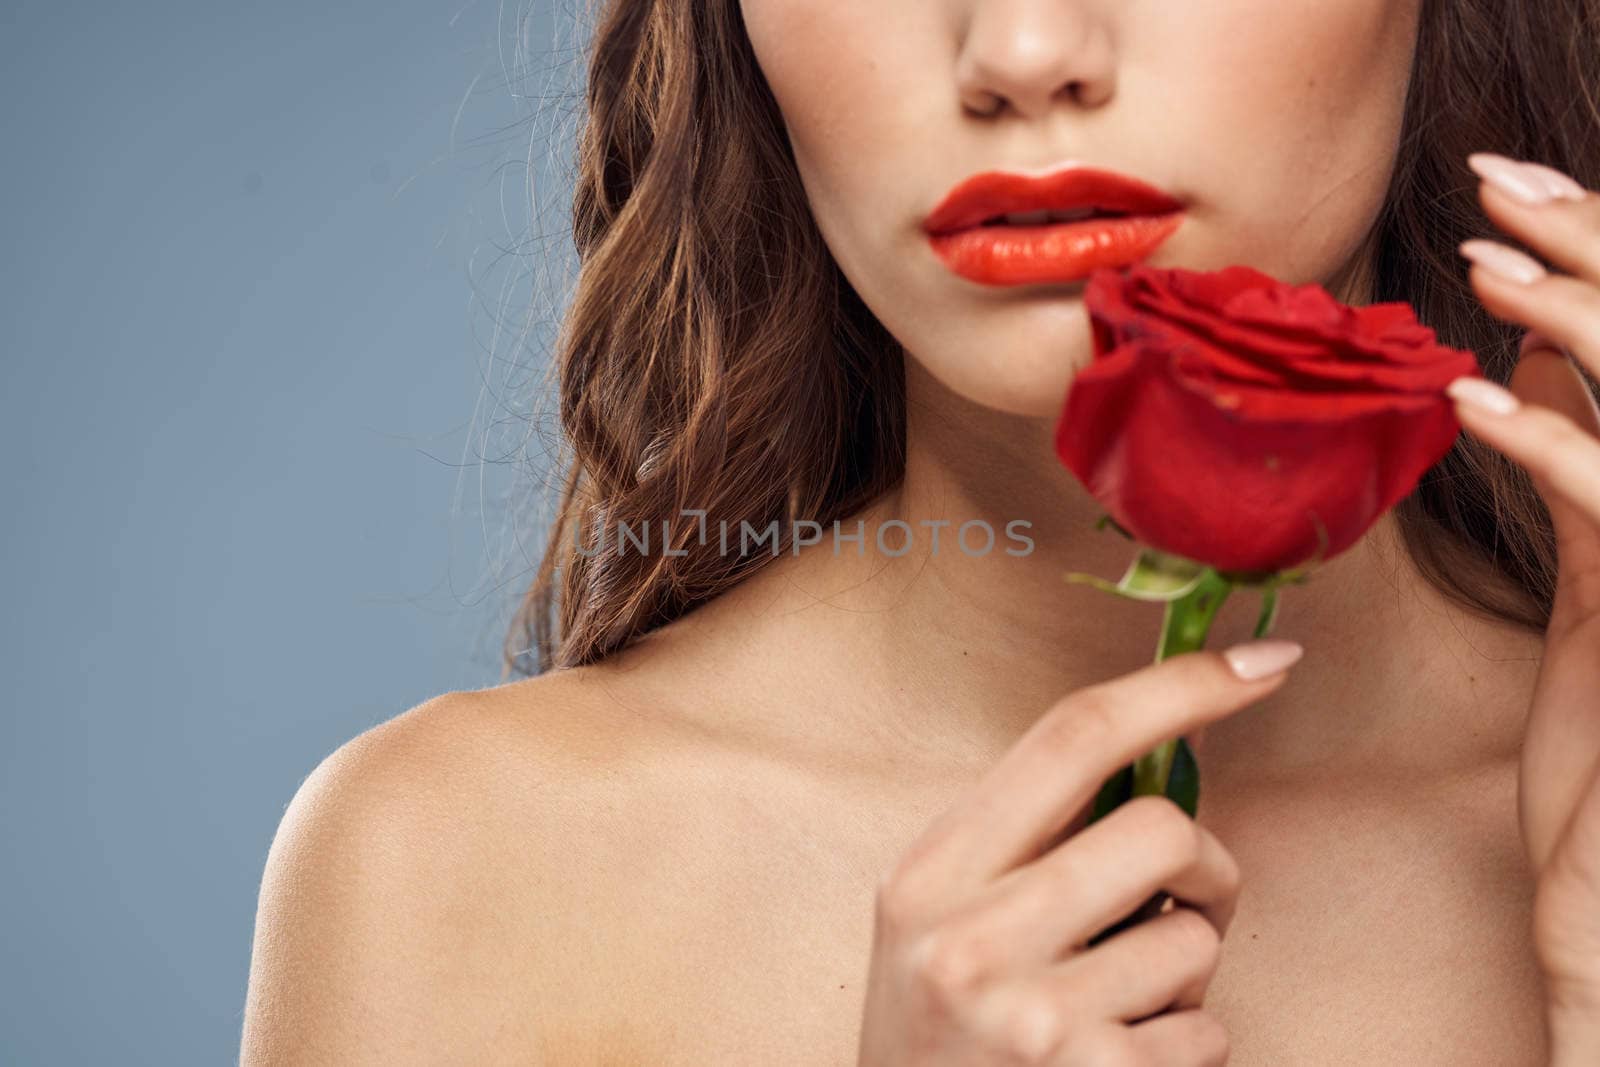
(996, 192)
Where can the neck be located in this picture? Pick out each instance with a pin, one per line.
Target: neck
(958, 653)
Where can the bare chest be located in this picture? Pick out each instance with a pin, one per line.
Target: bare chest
(1382, 930)
(1362, 936)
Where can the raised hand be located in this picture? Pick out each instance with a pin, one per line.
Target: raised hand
(1549, 423)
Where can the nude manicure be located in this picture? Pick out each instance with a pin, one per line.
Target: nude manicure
(1503, 262)
(1561, 186)
(1484, 394)
(1530, 183)
(1255, 660)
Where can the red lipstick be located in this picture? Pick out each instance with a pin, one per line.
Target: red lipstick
(1009, 228)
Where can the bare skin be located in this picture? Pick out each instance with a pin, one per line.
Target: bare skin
(674, 856)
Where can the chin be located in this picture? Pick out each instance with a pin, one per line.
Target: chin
(1029, 381)
(1030, 365)
(1034, 398)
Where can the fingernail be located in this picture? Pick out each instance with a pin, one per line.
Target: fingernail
(1511, 177)
(1484, 394)
(1503, 262)
(1561, 186)
(1533, 339)
(1255, 660)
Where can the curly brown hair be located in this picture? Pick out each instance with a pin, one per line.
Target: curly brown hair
(714, 357)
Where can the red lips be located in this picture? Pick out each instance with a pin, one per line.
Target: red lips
(1044, 252)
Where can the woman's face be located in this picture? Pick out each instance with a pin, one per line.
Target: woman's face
(1275, 123)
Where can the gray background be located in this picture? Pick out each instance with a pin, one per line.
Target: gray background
(271, 301)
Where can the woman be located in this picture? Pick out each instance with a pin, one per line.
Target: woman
(826, 805)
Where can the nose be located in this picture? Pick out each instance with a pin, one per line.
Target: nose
(1030, 54)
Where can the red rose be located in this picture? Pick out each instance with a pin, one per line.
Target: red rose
(1227, 415)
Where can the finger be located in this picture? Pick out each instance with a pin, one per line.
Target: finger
(1163, 962)
(1035, 913)
(1517, 288)
(1558, 441)
(1546, 377)
(1562, 738)
(1566, 935)
(1565, 466)
(1061, 761)
(1180, 1039)
(1570, 891)
(1548, 211)
(1555, 449)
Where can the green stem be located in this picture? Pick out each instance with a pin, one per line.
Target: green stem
(1183, 629)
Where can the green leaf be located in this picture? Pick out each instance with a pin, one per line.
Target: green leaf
(1107, 520)
(1152, 576)
(1269, 611)
(1096, 581)
(1117, 790)
(1163, 574)
(1183, 785)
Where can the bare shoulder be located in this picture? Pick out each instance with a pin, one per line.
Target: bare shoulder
(425, 895)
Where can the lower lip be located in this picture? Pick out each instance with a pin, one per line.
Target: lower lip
(1056, 252)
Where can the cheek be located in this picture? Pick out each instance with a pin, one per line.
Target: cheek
(839, 74)
(1304, 100)
(822, 62)
(1311, 68)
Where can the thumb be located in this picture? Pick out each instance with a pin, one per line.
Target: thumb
(1545, 375)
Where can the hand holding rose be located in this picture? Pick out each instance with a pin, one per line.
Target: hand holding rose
(1240, 427)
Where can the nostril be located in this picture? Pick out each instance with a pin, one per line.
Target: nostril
(1090, 93)
(989, 106)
